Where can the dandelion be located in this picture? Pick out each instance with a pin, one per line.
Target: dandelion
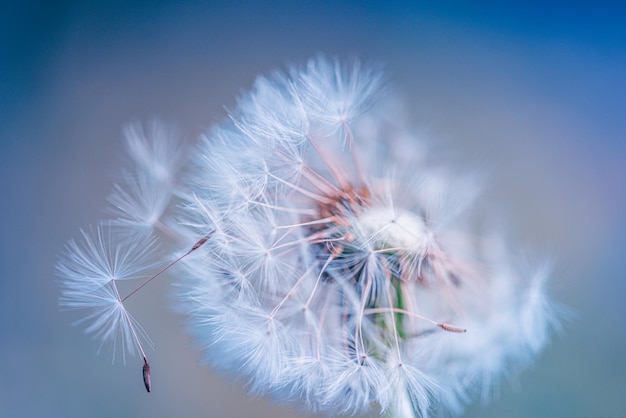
(328, 260)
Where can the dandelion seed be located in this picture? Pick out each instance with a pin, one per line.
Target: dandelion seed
(339, 267)
(143, 192)
(156, 150)
(451, 328)
(146, 375)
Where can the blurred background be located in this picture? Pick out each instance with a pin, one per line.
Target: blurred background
(534, 95)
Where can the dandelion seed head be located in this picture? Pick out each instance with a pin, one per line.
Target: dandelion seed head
(364, 281)
(329, 260)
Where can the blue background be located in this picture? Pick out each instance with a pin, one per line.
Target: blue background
(534, 95)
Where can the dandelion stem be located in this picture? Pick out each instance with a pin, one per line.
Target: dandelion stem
(393, 318)
(359, 326)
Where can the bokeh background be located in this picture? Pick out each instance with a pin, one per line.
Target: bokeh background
(533, 94)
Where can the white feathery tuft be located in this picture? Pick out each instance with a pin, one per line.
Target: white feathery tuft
(90, 270)
(334, 263)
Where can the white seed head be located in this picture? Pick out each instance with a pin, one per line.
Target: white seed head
(328, 265)
(333, 282)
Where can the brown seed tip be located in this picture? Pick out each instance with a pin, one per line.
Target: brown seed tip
(146, 374)
(451, 328)
(201, 242)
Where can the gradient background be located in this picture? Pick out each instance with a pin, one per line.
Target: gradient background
(535, 95)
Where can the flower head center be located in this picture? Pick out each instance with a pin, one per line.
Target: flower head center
(388, 228)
